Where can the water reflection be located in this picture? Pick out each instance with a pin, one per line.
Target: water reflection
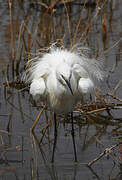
(54, 172)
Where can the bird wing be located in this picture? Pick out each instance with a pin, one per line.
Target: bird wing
(85, 85)
(35, 75)
(37, 88)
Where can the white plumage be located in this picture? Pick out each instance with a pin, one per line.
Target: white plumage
(61, 78)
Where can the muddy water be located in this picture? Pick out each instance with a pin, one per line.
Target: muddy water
(22, 155)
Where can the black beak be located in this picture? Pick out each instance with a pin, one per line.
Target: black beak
(68, 84)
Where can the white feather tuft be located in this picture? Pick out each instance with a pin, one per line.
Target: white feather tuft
(85, 86)
(37, 88)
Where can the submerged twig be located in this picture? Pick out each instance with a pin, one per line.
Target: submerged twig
(106, 151)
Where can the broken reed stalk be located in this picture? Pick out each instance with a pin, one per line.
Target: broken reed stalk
(114, 97)
(104, 31)
(106, 151)
(29, 41)
(19, 39)
(29, 45)
(11, 29)
(44, 130)
(25, 28)
(76, 32)
(35, 154)
(37, 119)
(68, 22)
(35, 34)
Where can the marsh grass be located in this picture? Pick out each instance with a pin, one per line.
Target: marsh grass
(62, 23)
(52, 27)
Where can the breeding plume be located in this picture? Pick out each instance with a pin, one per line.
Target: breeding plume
(61, 78)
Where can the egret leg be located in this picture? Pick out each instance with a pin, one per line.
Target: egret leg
(73, 137)
(55, 137)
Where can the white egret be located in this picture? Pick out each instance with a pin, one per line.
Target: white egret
(61, 78)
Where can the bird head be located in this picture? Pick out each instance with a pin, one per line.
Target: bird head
(64, 74)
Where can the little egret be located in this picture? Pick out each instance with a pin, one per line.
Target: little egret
(61, 78)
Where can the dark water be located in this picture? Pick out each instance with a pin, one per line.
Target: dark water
(21, 155)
